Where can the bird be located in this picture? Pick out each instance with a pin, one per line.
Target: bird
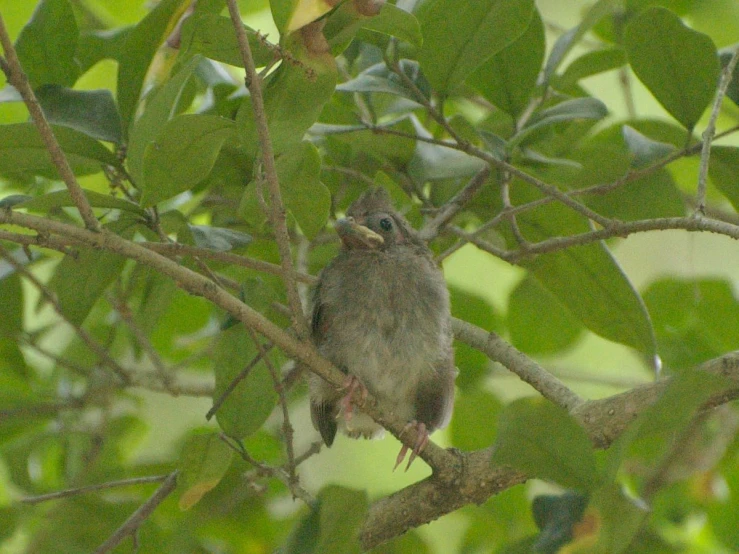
(381, 313)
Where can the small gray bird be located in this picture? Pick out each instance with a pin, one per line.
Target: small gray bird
(381, 314)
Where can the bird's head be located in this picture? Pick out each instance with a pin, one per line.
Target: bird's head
(371, 223)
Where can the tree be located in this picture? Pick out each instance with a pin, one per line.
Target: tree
(160, 228)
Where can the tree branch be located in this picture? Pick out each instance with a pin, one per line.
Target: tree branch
(616, 229)
(19, 80)
(196, 284)
(471, 479)
(132, 524)
(710, 131)
(277, 212)
(452, 207)
(92, 488)
(516, 361)
(86, 337)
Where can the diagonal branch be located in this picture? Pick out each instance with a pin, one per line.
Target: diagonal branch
(198, 285)
(132, 524)
(474, 480)
(93, 488)
(19, 80)
(454, 205)
(86, 337)
(708, 134)
(278, 212)
(516, 361)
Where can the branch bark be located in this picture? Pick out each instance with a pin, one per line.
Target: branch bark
(277, 212)
(132, 524)
(471, 479)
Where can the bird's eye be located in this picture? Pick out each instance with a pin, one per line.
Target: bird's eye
(386, 224)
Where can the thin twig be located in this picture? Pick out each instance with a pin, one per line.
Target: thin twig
(218, 402)
(527, 369)
(710, 131)
(450, 208)
(278, 212)
(270, 471)
(41, 409)
(287, 428)
(179, 249)
(86, 337)
(476, 152)
(132, 524)
(38, 240)
(125, 313)
(19, 80)
(92, 488)
(617, 229)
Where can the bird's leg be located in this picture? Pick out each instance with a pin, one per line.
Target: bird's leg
(422, 439)
(351, 385)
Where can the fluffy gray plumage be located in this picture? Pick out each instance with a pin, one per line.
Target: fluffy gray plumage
(381, 313)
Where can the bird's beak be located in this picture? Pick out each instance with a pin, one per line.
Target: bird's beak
(354, 235)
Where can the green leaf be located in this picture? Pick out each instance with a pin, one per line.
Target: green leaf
(678, 65)
(557, 516)
(469, 408)
(308, 200)
(569, 110)
(247, 407)
(725, 55)
(46, 45)
(11, 306)
(342, 513)
(395, 22)
(213, 36)
(304, 536)
(95, 46)
(651, 196)
(544, 441)
(645, 150)
(79, 281)
(509, 77)
(651, 434)
(587, 279)
(204, 461)
(363, 141)
(92, 112)
(62, 198)
(161, 106)
(456, 42)
(434, 162)
(291, 15)
(23, 153)
(138, 52)
(13, 200)
(724, 171)
(529, 331)
(294, 96)
(182, 155)
(592, 63)
(694, 320)
(566, 42)
(620, 517)
(218, 238)
(379, 78)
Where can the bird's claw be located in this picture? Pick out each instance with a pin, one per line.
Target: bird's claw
(422, 440)
(351, 385)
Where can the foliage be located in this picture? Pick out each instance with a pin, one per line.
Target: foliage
(487, 123)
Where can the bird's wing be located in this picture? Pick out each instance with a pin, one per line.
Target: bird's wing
(435, 396)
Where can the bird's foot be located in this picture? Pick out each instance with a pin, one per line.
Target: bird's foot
(351, 385)
(422, 440)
